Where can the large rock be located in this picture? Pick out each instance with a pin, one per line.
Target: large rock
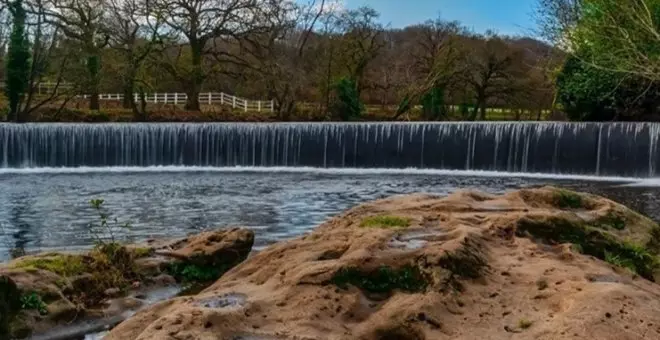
(468, 266)
(212, 248)
(65, 288)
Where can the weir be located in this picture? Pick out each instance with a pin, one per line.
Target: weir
(612, 149)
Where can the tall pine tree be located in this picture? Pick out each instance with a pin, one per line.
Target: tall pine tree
(18, 61)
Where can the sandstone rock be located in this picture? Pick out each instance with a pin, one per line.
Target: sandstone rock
(91, 278)
(467, 266)
(152, 266)
(163, 280)
(212, 248)
(62, 310)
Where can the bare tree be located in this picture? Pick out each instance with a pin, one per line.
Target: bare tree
(209, 36)
(435, 56)
(136, 31)
(82, 21)
(490, 75)
(361, 41)
(279, 57)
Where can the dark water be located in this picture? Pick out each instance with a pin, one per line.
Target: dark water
(612, 149)
(46, 211)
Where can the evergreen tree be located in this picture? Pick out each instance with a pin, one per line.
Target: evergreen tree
(18, 61)
(348, 105)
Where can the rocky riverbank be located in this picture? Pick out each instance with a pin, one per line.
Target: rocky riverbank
(54, 295)
(532, 264)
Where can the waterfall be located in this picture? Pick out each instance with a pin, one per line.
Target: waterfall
(605, 149)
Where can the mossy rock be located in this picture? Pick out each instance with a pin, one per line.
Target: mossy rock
(381, 280)
(591, 240)
(61, 264)
(10, 305)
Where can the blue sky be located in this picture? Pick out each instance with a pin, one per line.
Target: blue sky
(512, 17)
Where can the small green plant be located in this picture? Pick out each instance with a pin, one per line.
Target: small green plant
(33, 301)
(385, 221)
(565, 199)
(106, 230)
(524, 323)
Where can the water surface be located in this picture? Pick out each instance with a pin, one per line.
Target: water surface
(50, 211)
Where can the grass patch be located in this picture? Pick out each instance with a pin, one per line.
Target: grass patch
(64, 265)
(592, 241)
(385, 221)
(382, 280)
(565, 199)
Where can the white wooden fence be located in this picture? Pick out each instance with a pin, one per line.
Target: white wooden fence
(207, 98)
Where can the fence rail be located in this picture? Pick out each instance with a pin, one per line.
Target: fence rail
(208, 98)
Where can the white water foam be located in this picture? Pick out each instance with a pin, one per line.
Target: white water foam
(631, 181)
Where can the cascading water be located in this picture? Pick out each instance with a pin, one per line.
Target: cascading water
(613, 149)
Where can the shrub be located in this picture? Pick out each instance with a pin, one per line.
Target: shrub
(347, 105)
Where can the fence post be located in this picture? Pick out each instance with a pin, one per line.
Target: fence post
(233, 101)
(258, 105)
(272, 105)
(176, 98)
(245, 105)
(155, 97)
(222, 98)
(210, 97)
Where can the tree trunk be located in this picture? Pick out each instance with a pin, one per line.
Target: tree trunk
(192, 103)
(197, 77)
(93, 67)
(129, 92)
(482, 116)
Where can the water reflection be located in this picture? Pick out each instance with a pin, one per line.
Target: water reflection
(51, 211)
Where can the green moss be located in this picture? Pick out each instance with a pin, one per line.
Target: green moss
(466, 263)
(191, 272)
(141, 252)
(565, 199)
(653, 244)
(65, 265)
(382, 280)
(592, 241)
(611, 220)
(385, 221)
(524, 323)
